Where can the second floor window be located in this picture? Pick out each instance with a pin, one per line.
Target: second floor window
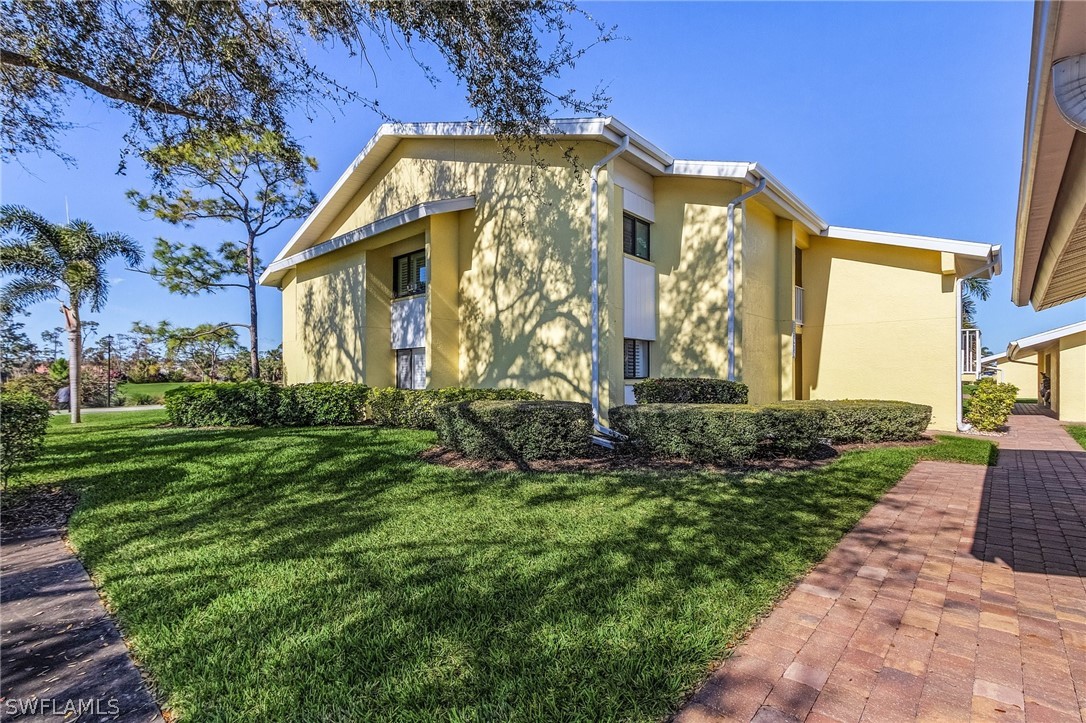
(635, 237)
(409, 274)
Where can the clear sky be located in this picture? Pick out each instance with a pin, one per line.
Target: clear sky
(898, 117)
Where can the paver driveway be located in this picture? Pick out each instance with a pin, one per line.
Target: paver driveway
(960, 596)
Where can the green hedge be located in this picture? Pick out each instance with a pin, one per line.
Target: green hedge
(322, 404)
(732, 433)
(689, 391)
(223, 404)
(516, 430)
(720, 433)
(23, 419)
(233, 404)
(991, 404)
(415, 408)
(850, 421)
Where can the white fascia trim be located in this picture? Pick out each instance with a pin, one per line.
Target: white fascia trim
(1019, 348)
(971, 249)
(415, 213)
(1044, 38)
(750, 174)
(993, 358)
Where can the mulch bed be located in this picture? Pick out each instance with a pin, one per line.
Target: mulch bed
(603, 460)
(36, 507)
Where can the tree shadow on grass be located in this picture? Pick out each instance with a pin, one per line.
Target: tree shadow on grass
(331, 574)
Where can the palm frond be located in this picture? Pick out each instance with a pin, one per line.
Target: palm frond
(28, 259)
(22, 292)
(33, 227)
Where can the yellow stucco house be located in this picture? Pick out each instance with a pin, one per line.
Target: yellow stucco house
(1022, 373)
(1060, 356)
(435, 261)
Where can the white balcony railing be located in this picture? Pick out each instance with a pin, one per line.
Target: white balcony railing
(799, 305)
(970, 351)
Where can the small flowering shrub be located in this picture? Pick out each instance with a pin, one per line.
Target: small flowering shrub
(991, 404)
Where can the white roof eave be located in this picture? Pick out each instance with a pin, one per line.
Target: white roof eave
(641, 151)
(1021, 347)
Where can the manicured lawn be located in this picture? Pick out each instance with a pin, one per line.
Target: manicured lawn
(1078, 431)
(154, 389)
(329, 574)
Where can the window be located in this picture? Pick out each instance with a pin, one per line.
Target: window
(635, 237)
(411, 368)
(635, 358)
(409, 274)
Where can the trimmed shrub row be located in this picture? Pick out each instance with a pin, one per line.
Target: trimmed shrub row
(251, 403)
(732, 433)
(516, 430)
(415, 408)
(23, 419)
(718, 433)
(689, 391)
(850, 421)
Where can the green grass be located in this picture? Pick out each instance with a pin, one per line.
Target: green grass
(1078, 431)
(329, 574)
(1026, 400)
(154, 389)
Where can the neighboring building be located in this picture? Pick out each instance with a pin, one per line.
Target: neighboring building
(1050, 239)
(435, 261)
(1022, 373)
(1060, 355)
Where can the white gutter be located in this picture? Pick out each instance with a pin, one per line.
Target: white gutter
(994, 264)
(605, 435)
(731, 272)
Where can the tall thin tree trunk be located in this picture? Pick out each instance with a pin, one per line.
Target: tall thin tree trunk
(75, 350)
(254, 352)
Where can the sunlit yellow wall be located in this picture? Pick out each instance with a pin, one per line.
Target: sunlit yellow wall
(293, 359)
(1072, 372)
(880, 324)
(1022, 374)
(689, 248)
(763, 303)
(522, 277)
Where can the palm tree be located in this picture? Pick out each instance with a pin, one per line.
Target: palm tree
(63, 262)
(973, 289)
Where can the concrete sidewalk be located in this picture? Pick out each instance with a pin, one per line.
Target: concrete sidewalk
(960, 596)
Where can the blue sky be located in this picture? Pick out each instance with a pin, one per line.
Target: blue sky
(898, 117)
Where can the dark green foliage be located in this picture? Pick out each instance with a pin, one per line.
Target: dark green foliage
(789, 430)
(414, 408)
(223, 404)
(690, 391)
(720, 433)
(991, 404)
(322, 404)
(139, 400)
(23, 418)
(516, 430)
(850, 421)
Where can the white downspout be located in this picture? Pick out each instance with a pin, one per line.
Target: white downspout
(959, 422)
(731, 272)
(594, 222)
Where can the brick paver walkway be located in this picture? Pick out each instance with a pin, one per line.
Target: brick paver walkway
(960, 596)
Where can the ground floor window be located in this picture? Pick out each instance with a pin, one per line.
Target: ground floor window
(411, 368)
(635, 358)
